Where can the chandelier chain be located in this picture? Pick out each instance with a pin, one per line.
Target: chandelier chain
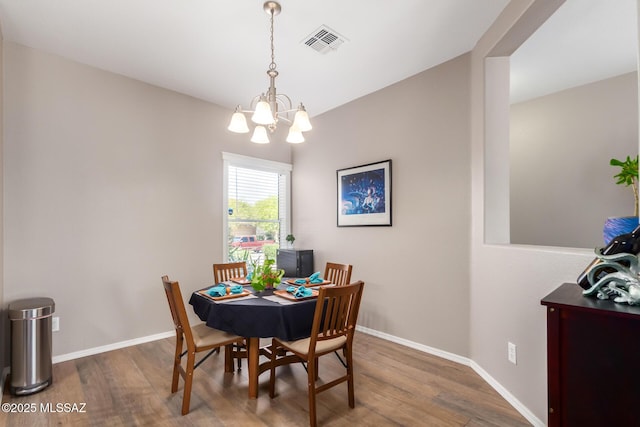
(272, 66)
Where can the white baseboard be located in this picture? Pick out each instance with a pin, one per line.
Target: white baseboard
(109, 347)
(523, 410)
(424, 348)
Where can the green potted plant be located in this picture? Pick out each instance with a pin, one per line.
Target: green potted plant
(265, 276)
(627, 176)
(290, 238)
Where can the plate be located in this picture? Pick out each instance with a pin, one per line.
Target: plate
(240, 280)
(293, 282)
(288, 295)
(204, 293)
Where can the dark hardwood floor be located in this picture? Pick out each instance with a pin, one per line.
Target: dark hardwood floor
(394, 386)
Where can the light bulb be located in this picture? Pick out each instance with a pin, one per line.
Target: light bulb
(238, 123)
(260, 135)
(263, 115)
(295, 136)
(301, 119)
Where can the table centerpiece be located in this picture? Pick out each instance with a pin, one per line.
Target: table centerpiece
(265, 276)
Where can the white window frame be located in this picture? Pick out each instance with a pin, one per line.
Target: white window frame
(238, 160)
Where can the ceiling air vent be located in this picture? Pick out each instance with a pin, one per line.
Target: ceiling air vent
(324, 40)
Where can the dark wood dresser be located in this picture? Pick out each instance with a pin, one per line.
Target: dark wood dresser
(593, 360)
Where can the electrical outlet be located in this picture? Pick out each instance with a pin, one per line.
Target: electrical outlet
(511, 353)
(55, 324)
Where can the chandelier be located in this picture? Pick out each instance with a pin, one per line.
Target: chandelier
(270, 107)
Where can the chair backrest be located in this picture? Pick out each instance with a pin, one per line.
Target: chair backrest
(340, 274)
(229, 270)
(178, 312)
(336, 313)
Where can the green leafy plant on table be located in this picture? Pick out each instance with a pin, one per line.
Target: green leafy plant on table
(265, 276)
(628, 176)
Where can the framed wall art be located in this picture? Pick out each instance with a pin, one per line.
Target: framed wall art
(364, 195)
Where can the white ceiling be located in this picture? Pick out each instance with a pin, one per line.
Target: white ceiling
(219, 51)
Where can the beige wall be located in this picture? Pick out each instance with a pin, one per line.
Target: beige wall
(110, 183)
(562, 186)
(417, 271)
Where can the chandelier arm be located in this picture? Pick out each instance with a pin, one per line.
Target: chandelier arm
(286, 119)
(282, 100)
(285, 102)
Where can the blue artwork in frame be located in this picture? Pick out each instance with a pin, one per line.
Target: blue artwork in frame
(364, 195)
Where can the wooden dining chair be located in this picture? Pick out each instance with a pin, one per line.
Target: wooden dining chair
(230, 270)
(224, 272)
(334, 324)
(340, 274)
(198, 338)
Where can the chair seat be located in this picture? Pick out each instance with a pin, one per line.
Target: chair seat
(302, 346)
(204, 336)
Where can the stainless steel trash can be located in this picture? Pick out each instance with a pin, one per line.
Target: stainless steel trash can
(31, 362)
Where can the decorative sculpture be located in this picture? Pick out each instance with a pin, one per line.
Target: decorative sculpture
(620, 280)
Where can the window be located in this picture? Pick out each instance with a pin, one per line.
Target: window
(256, 198)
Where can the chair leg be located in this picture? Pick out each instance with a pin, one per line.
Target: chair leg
(311, 373)
(317, 370)
(176, 362)
(228, 357)
(188, 382)
(350, 388)
(272, 370)
(238, 347)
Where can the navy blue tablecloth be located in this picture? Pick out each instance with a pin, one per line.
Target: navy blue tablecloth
(257, 317)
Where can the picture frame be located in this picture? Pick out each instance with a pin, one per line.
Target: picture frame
(364, 195)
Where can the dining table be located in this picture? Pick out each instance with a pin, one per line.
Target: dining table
(254, 315)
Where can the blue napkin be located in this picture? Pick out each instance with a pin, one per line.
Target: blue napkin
(249, 276)
(302, 292)
(237, 289)
(313, 279)
(218, 290)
